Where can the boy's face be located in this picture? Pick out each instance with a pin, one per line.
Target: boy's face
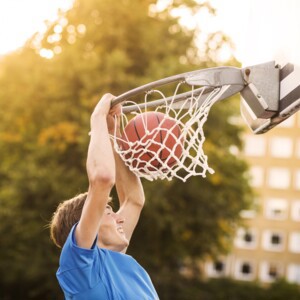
(111, 233)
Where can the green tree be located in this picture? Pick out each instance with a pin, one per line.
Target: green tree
(101, 46)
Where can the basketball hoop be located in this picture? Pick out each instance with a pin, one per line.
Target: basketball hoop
(270, 95)
(189, 110)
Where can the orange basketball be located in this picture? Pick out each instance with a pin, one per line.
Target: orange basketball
(158, 135)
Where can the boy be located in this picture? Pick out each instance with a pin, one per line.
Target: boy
(94, 239)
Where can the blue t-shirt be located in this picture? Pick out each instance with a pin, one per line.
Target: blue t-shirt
(96, 273)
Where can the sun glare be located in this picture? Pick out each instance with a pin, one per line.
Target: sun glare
(20, 19)
(46, 53)
(260, 30)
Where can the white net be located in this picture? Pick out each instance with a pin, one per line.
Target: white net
(167, 152)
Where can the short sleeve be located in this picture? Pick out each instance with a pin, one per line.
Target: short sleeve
(79, 268)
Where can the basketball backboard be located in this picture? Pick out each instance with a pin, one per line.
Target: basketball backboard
(272, 94)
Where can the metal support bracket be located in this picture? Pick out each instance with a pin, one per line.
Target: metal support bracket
(262, 90)
(271, 96)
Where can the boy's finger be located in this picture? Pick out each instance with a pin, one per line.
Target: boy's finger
(116, 110)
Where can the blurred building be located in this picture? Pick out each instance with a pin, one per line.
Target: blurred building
(268, 247)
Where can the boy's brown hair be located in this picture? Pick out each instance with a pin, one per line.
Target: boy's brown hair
(66, 215)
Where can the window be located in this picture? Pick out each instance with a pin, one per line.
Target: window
(294, 242)
(279, 178)
(297, 180)
(273, 240)
(252, 212)
(255, 145)
(248, 214)
(281, 147)
(244, 270)
(295, 210)
(246, 238)
(298, 148)
(270, 271)
(293, 273)
(257, 176)
(273, 272)
(276, 209)
(217, 268)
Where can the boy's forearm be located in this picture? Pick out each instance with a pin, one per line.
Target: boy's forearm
(100, 160)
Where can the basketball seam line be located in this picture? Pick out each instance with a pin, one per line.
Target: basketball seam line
(161, 140)
(137, 133)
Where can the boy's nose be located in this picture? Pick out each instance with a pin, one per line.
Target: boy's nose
(119, 219)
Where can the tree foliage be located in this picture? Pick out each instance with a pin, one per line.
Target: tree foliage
(100, 46)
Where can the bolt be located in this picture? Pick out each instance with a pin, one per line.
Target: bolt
(247, 72)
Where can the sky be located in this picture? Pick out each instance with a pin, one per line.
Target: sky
(20, 19)
(261, 30)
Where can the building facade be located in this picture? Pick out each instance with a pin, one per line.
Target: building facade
(268, 247)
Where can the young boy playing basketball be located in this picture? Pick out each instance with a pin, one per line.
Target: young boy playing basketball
(93, 238)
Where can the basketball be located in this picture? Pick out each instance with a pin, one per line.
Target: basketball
(152, 138)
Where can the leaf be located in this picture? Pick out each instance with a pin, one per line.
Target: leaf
(59, 136)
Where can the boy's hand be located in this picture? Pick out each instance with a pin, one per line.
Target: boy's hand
(104, 105)
(103, 108)
(113, 117)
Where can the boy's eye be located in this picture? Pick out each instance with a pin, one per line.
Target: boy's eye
(108, 210)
